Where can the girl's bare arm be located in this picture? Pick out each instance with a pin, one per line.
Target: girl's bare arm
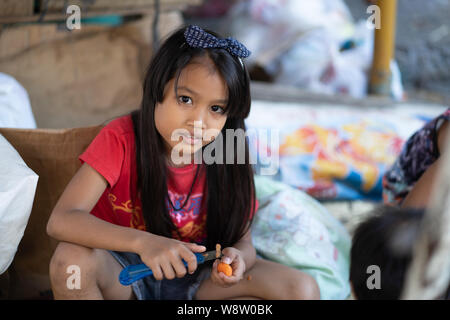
(71, 221)
(442, 137)
(420, 194)
(245, 245)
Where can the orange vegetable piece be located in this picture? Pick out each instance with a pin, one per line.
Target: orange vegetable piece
(218, 250)
(225, 268)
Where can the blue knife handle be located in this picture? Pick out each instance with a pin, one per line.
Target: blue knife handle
(135, 272)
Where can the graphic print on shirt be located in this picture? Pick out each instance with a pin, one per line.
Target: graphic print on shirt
(188, 220)
(136, 220)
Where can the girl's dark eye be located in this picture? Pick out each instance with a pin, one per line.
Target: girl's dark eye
(185, 99)
(218, 109)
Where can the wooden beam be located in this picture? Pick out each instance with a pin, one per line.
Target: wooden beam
(384, 49)
(56, 12)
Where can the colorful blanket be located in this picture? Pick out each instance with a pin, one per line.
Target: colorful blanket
(331, 151)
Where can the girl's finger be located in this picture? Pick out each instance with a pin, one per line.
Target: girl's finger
(214, 272)
(230, 279)
(190, 259)
(214, 267)
(226, 281)
(194, 247)
(228, 255)
(157, 272)
(167, 269)
(179, 267)
(226, 259)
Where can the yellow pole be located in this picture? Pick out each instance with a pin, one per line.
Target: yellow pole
(384, 49)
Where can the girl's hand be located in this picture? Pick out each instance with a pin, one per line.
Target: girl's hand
(233, 257)
(164, 256)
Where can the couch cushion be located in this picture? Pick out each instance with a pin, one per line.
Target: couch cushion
(53, 155)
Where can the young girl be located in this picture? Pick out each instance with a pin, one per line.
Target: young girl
(134, 200)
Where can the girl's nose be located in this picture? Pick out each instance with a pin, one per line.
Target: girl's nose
(199, 116)
(198, 128)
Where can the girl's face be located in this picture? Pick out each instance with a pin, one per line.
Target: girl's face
(194, 115)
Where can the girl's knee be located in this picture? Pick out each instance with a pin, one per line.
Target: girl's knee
(69, 258)
(303, 287)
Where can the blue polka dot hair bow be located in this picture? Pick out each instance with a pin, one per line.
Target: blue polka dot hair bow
(196, 37)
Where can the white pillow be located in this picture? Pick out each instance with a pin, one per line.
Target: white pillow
(294, 229)
(17, 189)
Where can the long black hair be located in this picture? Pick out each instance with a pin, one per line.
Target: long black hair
(230, 187)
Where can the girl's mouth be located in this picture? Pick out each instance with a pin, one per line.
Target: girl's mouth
(192, 140)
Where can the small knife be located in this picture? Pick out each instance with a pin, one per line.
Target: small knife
(135, 272)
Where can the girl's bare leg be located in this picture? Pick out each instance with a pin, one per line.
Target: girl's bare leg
(99, 273)
(269, 281)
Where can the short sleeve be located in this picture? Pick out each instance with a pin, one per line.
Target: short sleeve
(106, 154)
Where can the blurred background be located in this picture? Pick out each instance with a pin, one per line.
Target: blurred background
(320, 47)
(422, 35)
(339, 94)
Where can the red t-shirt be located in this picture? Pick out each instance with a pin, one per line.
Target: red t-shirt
(112, 154)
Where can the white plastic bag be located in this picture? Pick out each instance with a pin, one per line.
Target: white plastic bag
(309, 36)
(15, 108)
(17, 189)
